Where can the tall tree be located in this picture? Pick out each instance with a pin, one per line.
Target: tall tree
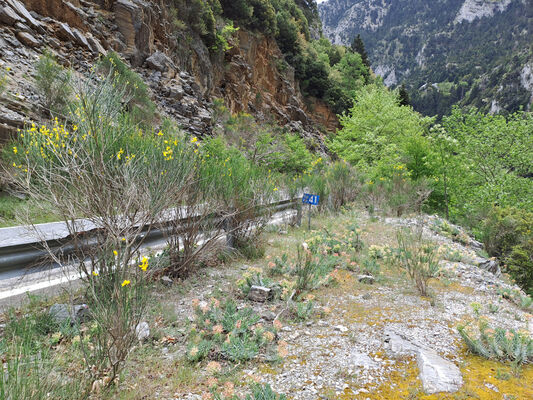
(359, 47)
(403, 96)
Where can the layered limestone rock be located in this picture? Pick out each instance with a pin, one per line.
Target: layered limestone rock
(183, 75)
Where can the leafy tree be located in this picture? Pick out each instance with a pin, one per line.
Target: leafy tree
(351, 73)
(378, 134)
(497, 154)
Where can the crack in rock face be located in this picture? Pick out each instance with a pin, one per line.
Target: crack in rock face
(436, 373)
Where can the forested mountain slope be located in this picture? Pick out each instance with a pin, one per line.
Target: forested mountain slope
(471, 52)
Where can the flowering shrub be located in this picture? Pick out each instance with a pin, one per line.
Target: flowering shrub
(521, 300)
(225, 332)
(331, 243)
(499, 344)
(311, 271)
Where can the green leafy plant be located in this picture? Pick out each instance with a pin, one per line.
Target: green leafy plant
(259, 392)
(302, 310)
(331, 243)
(224, 331)
(310, 271)
(499, 344)
(279, 267)
(256, 279)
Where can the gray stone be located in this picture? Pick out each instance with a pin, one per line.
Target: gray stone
(260, 293)
(95, 45)
(367, 279)
(159, 61)
(204, 115)
(361, 360)
(23, 12)
(492, 265)
(367, 296)
(341, 329)
(80, 38)
(28, 39)
(19, 26)
(64, 312)
(436, 373)
(8, 16)
(142, 330)
(268, 315)
(65, 32)
(167, 281)
(176, 92)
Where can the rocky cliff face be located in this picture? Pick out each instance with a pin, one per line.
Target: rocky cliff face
(470, 52)
(179, 69)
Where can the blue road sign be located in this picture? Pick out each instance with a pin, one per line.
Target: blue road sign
(311, 199)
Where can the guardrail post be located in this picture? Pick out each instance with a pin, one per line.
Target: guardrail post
(230, 233)
(298, 213)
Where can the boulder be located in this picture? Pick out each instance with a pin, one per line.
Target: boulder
(8, 16)
(260, 293)
(28, 39)
(159, 61)
(142, 330)
(436, 373)
(268, 315)
(63, 312)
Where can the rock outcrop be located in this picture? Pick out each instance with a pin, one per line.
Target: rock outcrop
(182, 73)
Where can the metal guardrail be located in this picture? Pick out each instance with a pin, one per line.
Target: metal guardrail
(31, 253)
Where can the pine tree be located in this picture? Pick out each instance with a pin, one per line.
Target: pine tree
(359, 47)
(403, 96)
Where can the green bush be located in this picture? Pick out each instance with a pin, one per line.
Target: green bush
(53, 83)
(223, 331)
(343, 184)
(310, 271)
(498, 344)
(135, 91)
(508, 234)
(331, 243)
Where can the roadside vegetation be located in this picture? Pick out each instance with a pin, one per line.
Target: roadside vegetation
(100, 157)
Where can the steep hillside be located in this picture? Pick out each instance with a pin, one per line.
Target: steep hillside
(179, 47)
(471, 52)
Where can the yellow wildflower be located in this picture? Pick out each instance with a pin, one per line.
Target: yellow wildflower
(125, 283)
(144, 264)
